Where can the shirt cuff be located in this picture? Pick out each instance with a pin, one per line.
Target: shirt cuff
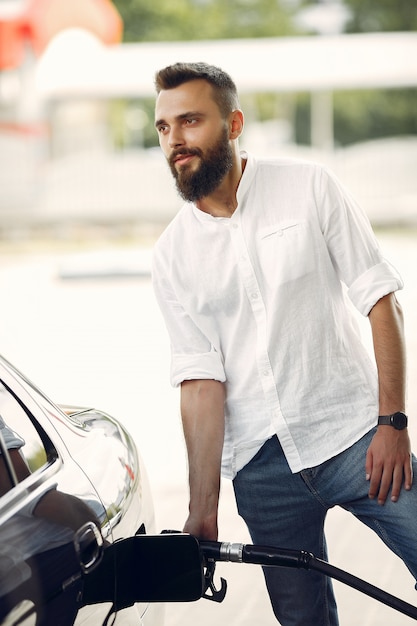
(374, 284)
(195, 367)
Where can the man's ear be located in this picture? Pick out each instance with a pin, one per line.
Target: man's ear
(236, 121)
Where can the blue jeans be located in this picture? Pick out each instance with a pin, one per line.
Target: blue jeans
(289, 510)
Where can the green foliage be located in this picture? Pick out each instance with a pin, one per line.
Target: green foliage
(302, 127)
(188, 20)
(37, 459)
(381, 15)
(361, 115)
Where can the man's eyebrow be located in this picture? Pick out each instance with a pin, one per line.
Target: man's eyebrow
(179, 118)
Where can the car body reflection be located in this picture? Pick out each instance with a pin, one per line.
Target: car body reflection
(72, 482)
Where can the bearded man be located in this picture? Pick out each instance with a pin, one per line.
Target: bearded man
(278, 393)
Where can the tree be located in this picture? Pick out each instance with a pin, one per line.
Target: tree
(381, 16)
(147, 20)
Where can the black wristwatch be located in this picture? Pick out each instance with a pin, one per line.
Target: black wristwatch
(398, 420)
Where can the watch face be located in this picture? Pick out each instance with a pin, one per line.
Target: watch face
(399, 420)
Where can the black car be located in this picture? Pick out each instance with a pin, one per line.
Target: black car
(72, 483)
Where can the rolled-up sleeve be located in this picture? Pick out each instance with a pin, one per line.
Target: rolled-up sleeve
(374, 284)
(196, 366)
(354, 249)
(193, 355)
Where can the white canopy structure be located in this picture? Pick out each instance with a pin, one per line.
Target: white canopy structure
(77, 64)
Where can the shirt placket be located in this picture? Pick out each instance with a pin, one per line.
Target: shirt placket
(251, 285)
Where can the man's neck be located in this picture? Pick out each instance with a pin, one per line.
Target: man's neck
(223, 202)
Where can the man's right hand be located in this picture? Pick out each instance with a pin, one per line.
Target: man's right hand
(204, 529)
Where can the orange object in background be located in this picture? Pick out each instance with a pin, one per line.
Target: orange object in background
(11, 44)
(41, 20)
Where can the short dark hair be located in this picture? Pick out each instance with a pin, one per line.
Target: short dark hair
(225, 92)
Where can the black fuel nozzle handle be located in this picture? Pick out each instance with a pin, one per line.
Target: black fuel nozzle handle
(210, 590)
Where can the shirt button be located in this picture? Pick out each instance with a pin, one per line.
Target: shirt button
(280, 233)
(254, 296)
(265, 373)
(234, 225)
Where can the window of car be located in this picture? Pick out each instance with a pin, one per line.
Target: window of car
(23, 443)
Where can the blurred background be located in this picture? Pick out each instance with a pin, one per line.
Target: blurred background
(85, 190)
(331, 80)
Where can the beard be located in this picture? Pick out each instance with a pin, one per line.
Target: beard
(215, 163)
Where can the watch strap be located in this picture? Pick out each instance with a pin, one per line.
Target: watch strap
(384, 420)
(398, 420)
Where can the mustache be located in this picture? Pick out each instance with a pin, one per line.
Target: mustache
(183, 152)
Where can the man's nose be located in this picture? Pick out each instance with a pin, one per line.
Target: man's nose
(175, 138)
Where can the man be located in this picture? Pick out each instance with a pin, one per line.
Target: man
(277, 390)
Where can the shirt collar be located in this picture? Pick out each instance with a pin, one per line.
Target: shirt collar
(242, 189)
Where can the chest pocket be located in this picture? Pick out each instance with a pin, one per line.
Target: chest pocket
(286, 251)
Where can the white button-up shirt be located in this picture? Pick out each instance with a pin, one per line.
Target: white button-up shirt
(260, 301)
